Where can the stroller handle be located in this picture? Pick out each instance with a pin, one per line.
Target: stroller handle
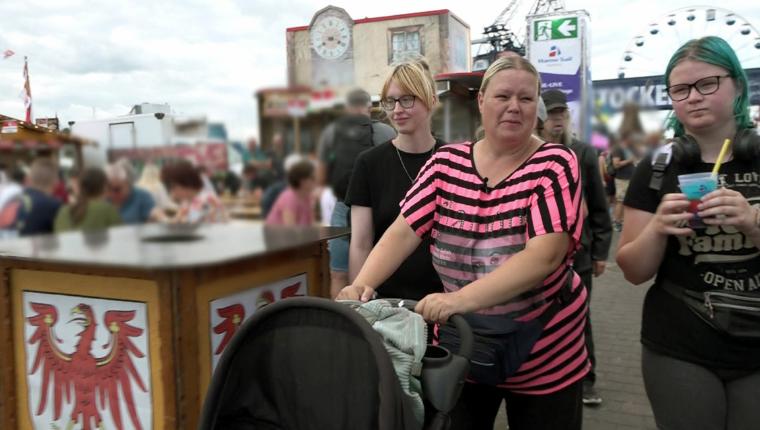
(465, 332)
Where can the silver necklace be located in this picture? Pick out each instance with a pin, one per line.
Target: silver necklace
(403, 166)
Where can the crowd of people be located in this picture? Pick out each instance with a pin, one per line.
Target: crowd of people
(470, 201)
(517, 223)
(284, 186)
(40, 200)
(509, 230)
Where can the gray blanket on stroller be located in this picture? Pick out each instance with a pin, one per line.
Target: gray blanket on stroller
(405, 337)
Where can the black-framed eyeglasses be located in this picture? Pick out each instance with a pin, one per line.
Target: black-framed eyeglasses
(703, 86)
(406, 102)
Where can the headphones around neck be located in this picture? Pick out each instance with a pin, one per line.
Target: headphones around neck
(745, 146)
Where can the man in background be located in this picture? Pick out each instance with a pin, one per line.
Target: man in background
(38, 208)
(339, 145)
(135, 205)
(591, 259)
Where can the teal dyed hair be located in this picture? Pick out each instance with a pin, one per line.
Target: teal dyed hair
(716, 51)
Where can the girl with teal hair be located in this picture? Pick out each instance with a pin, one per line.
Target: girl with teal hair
(699, 374)
(716, 51)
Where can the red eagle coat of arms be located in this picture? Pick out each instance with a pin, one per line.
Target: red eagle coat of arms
(84, 385)
(228, 313)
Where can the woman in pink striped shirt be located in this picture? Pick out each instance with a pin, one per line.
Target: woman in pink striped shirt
(504, 216)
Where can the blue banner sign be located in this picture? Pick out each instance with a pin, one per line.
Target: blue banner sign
(649, 92)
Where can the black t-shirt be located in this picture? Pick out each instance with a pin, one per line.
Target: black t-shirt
(597, 226)
(37, 212)
(625, 172)
(714, 258)
(380, 183)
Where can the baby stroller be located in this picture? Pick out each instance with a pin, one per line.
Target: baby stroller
(308, 363)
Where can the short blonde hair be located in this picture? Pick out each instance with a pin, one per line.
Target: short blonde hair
(510, 63)
(413, 78)
(43, 173)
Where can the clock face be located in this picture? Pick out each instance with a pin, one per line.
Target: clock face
(330, 37)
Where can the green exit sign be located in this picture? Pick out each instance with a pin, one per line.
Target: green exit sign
(553, 29)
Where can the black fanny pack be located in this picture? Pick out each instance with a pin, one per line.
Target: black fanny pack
(501, 344)
(734, 313)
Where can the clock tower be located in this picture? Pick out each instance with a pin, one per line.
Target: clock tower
(332, 56)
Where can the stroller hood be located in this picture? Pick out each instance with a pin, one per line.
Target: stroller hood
(305, 363)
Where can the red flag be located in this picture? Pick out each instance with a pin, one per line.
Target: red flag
(7, 53)
(27, 93)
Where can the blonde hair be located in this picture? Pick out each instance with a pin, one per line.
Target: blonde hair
(631, 124)
(43, 173)
(413, 78)
(150, 177)
(510, 63)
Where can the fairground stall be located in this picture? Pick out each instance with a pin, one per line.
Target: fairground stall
(458, 117)
(297, 114)
(21, 142)
(123, 327)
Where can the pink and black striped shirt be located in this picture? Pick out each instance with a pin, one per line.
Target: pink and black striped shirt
(476, 229)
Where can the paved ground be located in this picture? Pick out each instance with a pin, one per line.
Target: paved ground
(616, 315)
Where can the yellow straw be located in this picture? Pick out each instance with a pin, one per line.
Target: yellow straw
(722, 155)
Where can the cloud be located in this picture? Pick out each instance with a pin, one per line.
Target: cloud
(202, 57)
(613, 29)
(208, 57)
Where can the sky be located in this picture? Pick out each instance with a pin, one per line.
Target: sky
(90, 58)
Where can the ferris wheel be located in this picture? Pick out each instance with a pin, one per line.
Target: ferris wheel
(647, 54)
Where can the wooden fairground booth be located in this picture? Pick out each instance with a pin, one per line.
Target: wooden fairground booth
(298, 114)
(457, 119)
(123, 328)
(21, 142)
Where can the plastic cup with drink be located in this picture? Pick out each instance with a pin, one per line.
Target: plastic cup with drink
(697, 185)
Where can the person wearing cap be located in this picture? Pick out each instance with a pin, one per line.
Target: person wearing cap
(596, 235)
(503, 214)
(355, 121)
(541, 114)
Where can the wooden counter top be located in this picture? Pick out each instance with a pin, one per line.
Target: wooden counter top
(153, 247)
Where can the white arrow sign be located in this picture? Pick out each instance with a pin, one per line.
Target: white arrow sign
(566, 28)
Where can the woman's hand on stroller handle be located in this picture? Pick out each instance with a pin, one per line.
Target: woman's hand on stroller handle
(362, 293)
(439, 307)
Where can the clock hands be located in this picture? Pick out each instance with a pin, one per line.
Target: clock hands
(330, 37)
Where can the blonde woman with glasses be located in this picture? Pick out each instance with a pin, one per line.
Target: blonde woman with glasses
(383, 175)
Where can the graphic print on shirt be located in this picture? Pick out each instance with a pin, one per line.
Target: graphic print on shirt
(475, 231)
(720, 253)
(468, 247)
